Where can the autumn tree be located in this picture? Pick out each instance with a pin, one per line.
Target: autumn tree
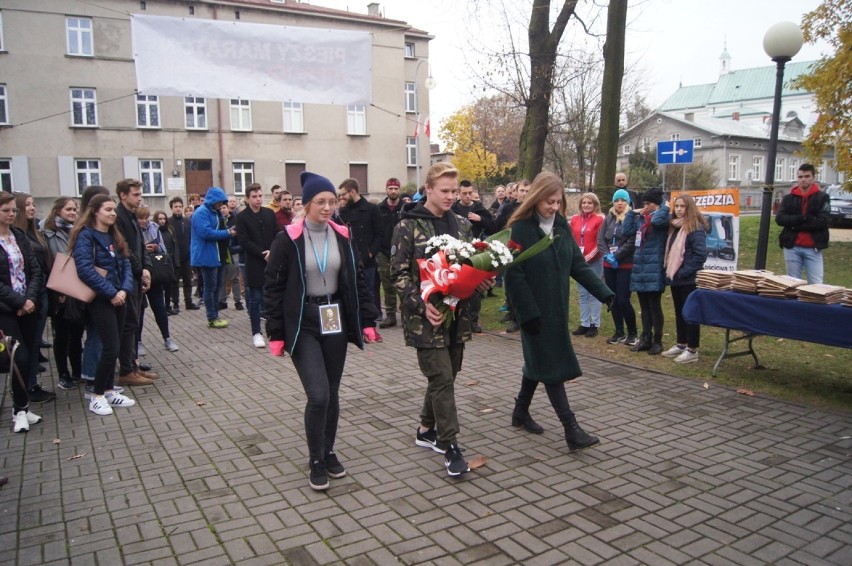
(616, 26)
(829, 81)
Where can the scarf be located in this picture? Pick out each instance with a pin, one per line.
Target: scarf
(546, 224)
(62, 224)
(676, 249)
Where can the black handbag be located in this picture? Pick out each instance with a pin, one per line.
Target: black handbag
(162, 267)
(74, 311)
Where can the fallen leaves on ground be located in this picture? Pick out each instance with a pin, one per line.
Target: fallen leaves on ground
(201, 403)
(76, 457)
(56, 441)
(477, 462)
(485, 411)
(706, 385)
(748, 392)
(472, 382)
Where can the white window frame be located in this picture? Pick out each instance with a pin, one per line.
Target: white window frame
(409, 50)
(240, 115)
(2, 40)
(675, 137)
(646, 144)
(780, 165)
(793, 168)
(87, 170)
(4, 105)
(75, 35)
(151, 175)
(410, 97)
(242, 174)
(356, 120)
(625, 149)
(7, 180)
(86, 102)
(411, 151)
(734, 168)
(148, 108)
(294, 117)
(757, 167)
(196, 106)
(696, 143)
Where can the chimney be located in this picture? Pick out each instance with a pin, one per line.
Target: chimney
(374, 9)
(736, 116)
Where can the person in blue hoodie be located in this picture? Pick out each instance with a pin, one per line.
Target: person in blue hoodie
(204, 250)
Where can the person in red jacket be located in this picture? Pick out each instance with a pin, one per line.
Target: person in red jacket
(585, 227)
(804, 216)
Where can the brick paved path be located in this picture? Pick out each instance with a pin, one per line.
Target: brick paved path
(684, 475)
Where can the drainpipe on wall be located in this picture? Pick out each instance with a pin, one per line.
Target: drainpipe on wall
(219, 125)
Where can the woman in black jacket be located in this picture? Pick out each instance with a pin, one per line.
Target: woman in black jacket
(21, 285)
(316, 302)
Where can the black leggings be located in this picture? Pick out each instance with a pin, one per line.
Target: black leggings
(67, 344)
(689, 334)
(108, 321)
(24, 329)
(618, 280)
(319, 362)
(652, 315)
(555, 392)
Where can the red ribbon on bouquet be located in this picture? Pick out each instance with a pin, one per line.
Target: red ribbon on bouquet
(455, 282)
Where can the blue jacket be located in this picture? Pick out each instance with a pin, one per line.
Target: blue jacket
(649, 274)
(203, 248)
(119, 273)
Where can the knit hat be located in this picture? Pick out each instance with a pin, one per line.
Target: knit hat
(392, 182)
(621, 194)
(654, 196)
(313, 184)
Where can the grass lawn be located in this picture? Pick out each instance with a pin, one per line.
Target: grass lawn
(797, 371)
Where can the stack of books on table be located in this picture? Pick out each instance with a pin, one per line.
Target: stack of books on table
(712, 279)
(821, 294)
(746, 281)
(779, 286)
(847, 298)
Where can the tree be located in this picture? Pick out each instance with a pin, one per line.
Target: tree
(616, 26)
(829, 81)
(461, 138)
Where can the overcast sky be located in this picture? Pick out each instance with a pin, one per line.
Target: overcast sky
(668, 41)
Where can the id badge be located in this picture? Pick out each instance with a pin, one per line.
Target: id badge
(613, 249)
(330, 319)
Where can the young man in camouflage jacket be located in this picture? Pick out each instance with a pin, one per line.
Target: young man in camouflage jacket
(440, 349)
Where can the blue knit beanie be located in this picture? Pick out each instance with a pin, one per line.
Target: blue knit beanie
(621, 194)
(313, 184)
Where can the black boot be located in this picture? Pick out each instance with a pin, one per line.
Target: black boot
(576, 437)
(644, 344)
(521, 418)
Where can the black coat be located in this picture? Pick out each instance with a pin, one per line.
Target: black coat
(10, 301)
(285, 290)
(129, 227)
(485, 227)
(365, 226)
(256, 231)
(182, 229)
(389, 218)
(793, 221)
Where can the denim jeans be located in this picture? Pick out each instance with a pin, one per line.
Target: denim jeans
(254, 300)
(91, 352)
(590, 307)
(618, 280)
(809, 258)
(210, 275)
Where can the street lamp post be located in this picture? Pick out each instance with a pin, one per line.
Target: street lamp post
(429, 83)
(781, 42)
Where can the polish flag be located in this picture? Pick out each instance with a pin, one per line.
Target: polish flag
(416, 128)
(428, 131)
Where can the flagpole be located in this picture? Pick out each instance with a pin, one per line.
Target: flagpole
(417, 149)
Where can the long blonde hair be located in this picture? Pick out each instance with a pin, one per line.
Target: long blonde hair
(544, 185)
(595, 200)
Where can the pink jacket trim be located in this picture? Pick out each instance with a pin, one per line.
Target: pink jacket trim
(295, 229)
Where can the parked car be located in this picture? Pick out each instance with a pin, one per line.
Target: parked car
(720, 238)
(841, 210)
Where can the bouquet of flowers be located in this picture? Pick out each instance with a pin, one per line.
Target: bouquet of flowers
(453, 269)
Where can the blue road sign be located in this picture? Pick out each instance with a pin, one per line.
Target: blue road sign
(674, 152)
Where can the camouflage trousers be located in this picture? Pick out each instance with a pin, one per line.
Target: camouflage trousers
(440, 366)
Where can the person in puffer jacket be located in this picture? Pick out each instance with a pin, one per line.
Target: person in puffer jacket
(204, 250)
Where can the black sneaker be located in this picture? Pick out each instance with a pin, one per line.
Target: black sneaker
(333, 466)
(223, 305)
(513, 328)
(476, 329)
(319, 478)
(580, 331)
(39, 395)
(454, 461)
(592, 333)
(428, 439)
(632, 340)
(192, 307)
(615, 338)
(65, 382)
(239, 306)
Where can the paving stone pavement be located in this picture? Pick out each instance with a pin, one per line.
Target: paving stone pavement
(211, 467)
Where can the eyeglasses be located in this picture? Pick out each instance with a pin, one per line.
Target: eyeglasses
(323, 203)
(9, 210)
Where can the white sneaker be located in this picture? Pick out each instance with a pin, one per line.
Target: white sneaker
(674, 351)
(140, 349)
(258, 341)
(33, 418)
(687, 357)
(21, 423)
(170, 345)
(118, 400)
(100, 406)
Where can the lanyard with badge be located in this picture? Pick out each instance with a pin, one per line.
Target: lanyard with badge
(329, 313)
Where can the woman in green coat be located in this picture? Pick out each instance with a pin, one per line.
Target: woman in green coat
(538, 290)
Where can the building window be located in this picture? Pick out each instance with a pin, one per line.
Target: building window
(243, 176)
(409, 50)
(780, 162)
(79, 34)
(793, 168)
(696, 143)
(410, 97)
(757, 167)
(6, 175)
(411, 152)
(195, 109)
(356, 120)
(151, 175)
(88, 172)
(240, 115)
(646, 144)
(675, 137)
(2, 42)
(147, 111)
(294, 117)
(734, 168)
(84, 107)
(625, 149)
(4, 105)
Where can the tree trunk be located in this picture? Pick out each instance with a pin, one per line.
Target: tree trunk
(616, 23)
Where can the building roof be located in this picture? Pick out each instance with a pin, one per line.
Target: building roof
(714, 127)
(737, 86)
